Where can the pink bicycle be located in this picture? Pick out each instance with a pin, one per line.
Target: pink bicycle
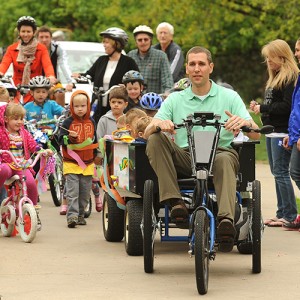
(17, 208)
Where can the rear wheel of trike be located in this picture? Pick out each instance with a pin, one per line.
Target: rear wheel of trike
(112, 220)
(149, 226)
(201, 229)
(132, 229)
(256, 226)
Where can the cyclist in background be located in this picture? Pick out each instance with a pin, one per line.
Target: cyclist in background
(57, 54)
(28, 56)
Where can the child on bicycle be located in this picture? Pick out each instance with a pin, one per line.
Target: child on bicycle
(42, 108)
(79, 149)
(134, 84)
(14, 137)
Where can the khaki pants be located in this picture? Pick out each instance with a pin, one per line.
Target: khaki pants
(171, 162)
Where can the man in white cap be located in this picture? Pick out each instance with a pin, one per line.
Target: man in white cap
(153, 64)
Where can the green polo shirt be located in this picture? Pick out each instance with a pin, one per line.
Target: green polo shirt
(179, 105)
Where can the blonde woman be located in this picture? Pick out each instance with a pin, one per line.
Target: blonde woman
(283, 73)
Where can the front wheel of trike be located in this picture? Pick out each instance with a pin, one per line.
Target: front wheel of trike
(201, 230)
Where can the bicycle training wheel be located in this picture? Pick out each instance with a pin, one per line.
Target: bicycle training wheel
(201, 250)
(8, 220)
(149, 226)
(28, 226)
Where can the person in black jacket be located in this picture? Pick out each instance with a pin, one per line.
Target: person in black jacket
(275, 111)
(108, 70)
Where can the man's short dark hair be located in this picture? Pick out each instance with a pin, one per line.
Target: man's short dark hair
(199, 49)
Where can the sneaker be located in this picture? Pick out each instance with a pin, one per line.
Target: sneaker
(72, 222)
(81, 221)
(295, 225)
(63, 209)
(99, 204)
(225, 235)
(39, 223)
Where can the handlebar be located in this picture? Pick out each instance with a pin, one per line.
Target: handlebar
(210, 119)
(24, 162)
(37, 124)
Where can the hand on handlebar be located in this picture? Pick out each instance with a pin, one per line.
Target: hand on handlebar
(234, 123)
(165, 126)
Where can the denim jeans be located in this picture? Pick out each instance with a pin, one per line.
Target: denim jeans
(279, 160)
(295, 165)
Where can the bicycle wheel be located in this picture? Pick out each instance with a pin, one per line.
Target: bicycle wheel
(132, 229)
(88, 209)
(112, 220)
(28, 226)
(8, 219)
(56, 182)
(149, 226)
(201, 250)
(256, 227)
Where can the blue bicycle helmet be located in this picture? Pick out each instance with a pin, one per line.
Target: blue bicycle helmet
(151, 101)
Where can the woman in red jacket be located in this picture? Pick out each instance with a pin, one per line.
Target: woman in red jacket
(28, 56)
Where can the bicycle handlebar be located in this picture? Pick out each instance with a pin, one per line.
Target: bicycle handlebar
(206, 119)
(24, 165)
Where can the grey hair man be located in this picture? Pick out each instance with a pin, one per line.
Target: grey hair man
(164, 34)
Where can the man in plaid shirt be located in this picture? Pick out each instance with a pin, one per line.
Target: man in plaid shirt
(153, 64)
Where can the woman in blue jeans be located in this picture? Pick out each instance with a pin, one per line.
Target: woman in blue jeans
(276, 109)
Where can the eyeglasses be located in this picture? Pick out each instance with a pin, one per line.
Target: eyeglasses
(145, 40)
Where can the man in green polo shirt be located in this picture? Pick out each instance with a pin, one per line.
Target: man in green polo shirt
(169, 159)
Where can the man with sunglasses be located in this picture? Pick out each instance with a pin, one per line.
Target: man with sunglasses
(153, 64)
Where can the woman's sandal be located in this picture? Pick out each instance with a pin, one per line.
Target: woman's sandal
(279, 223)
(271, 220)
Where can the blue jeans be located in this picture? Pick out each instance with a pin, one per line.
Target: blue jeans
(295, 165)
(279, 160)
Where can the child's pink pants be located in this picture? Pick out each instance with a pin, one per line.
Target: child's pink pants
(6, 172)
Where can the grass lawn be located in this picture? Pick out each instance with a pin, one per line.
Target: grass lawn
(261, 152)
(298, 204)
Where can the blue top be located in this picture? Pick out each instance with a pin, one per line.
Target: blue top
(47, 111)
(294, 122)
(179, 105)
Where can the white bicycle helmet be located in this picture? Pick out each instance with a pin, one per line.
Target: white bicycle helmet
(39, 82)
(143, 29)
(27, 21)
(12, 90)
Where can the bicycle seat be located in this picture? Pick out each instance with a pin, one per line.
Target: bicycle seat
(10, 180)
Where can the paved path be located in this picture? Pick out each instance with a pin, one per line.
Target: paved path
(78, 263)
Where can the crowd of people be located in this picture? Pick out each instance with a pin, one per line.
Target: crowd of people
(137, 85)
